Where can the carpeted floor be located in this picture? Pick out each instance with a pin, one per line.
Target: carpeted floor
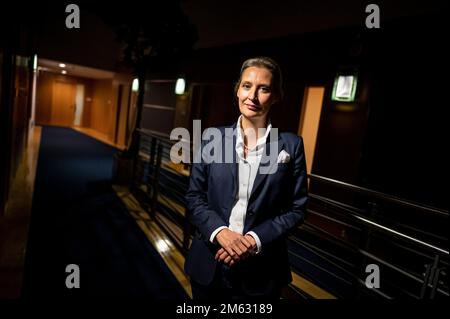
(78, 219)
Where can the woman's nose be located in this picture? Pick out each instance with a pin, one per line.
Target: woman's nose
(253, 95)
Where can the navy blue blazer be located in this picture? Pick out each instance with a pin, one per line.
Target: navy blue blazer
(276, 205)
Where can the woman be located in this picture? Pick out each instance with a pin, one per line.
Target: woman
(242, 211)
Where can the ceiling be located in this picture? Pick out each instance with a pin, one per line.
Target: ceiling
(73, 69)
(235, 21)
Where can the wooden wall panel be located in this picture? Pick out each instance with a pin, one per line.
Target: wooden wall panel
(63, 103)
(44, 93)
(132, 114)
(123, 106)
(20, 111)
(101, 104)
(44, 96)
(124, 109)
(88, 97)
(115, 108)
(102, 107)
(2, 154)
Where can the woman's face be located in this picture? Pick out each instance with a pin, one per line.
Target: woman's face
(255, 92)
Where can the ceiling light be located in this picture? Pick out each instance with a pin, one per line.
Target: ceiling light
(35, 62)
(180, 86)
(344, 88)
(135, 85)
(64, 72)
(62, 65)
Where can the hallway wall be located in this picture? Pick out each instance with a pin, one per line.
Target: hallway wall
(103, 107)
(15, 105)
(101, 112)
(124, 101)
(44, 96)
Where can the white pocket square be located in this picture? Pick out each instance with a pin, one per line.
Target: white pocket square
(283, 157)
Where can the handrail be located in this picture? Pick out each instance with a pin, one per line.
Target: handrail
(152, 133)
(354, 214)
(166, 138)
(359, 189)
(397, 233)
(381, 195)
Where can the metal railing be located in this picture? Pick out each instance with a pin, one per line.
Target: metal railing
(346, 229)
(160, 186)
(346, 232)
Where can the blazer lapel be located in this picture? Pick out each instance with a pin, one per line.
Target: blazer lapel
(233, 166)
(266, 165)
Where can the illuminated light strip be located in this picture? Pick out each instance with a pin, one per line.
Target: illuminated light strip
(403, 235)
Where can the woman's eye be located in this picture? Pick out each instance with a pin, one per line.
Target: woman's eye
(265, 89)
(246, 86)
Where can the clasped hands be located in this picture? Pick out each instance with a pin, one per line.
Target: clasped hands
(234, 246)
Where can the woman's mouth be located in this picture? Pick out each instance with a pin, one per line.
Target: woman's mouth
(252, 107)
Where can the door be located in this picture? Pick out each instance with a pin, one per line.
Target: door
(79, 105)
(63, 104)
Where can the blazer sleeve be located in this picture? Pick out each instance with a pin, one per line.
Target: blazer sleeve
(272, 229)
(199, 213)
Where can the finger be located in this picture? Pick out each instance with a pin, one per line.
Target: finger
(242, 248)
(231, 252)
(237, 247)
(219, 252)
(223, 256)
(238, 253)
(227, 260)
(246, 242)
